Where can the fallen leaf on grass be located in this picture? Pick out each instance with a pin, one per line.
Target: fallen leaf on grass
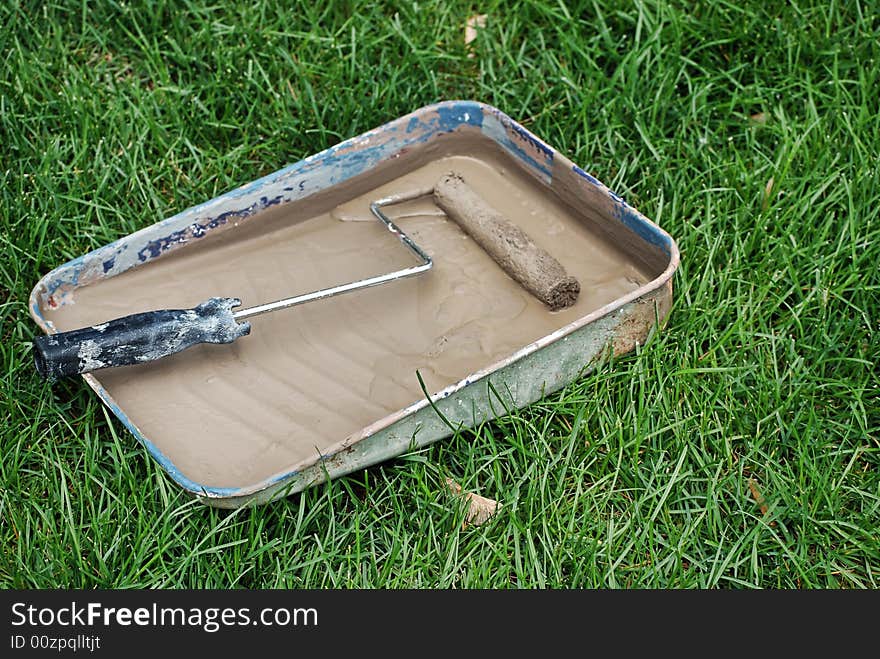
(768, 190)
(758, 118)
(473, 25)
(480, 509)
(759, 498)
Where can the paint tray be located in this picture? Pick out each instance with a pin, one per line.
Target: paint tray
(331, 387)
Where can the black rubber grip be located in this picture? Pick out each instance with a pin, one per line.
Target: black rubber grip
(142, 337)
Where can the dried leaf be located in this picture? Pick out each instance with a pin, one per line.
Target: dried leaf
(759, 498)
(758, 118)
(472, 26)
(480, 509)
(768, 190)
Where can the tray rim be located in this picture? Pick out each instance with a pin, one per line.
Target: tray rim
(519, 141)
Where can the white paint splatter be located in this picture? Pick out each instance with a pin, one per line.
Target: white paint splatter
(88, 354)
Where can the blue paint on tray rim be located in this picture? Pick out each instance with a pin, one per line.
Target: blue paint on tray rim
(630, 217)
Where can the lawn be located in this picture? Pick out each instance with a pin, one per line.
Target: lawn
(738, 448)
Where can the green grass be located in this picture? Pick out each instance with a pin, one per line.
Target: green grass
(748, 130)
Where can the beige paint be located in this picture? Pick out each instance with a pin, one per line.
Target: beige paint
(307, 378)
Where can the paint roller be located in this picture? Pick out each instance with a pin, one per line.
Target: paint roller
(151, 335)
(517, 254)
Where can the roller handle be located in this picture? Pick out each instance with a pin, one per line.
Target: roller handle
(136, 339)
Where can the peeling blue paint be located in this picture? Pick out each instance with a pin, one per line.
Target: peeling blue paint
(520, 144)
(452, 116)
(526, 136)
(635, 222)
(630, 217)
(266, 202)
(447, 118)
(67, 275)
(520, 153)
(198, 230)
(592, 179)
